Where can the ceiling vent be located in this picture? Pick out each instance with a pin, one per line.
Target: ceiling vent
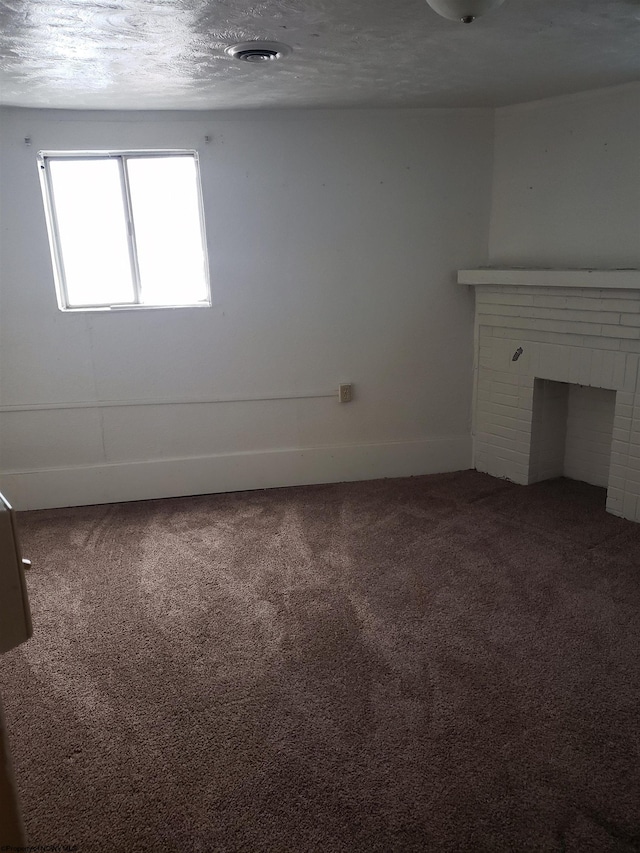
(258, 51)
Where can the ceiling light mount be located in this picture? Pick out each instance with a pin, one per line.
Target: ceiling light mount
(258, 51)
(463, 10)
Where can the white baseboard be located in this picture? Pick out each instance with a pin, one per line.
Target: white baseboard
(159, 478)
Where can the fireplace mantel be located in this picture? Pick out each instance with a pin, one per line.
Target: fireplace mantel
(538, 331)
(626, 279)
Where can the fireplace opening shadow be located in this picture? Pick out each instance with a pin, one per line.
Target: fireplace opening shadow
(571, 433)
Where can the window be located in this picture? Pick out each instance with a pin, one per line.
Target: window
(126, 228)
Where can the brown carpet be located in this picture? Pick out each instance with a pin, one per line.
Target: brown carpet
(445, 663)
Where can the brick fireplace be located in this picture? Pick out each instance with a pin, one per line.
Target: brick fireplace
(557, 379)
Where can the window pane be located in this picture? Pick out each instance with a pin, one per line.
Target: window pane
(166, 216)
(92, 230)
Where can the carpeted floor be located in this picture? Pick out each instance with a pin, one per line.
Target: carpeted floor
(444, 663)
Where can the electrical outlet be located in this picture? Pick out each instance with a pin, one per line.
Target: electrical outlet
(345, 392)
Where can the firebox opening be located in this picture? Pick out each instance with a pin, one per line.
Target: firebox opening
(571, 432)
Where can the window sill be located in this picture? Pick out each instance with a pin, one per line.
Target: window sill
(113, 309)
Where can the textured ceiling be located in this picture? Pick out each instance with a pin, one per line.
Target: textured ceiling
(168, 54)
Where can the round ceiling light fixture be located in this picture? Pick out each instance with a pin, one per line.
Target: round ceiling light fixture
(463, 10)
(258, 51)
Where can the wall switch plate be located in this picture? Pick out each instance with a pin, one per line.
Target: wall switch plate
(345, 392)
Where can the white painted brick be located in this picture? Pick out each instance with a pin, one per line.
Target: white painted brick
(607, 368)
(595, 377)
(615, 493)
(507, 389)
(548, 313)
(507, 432)
(587, 337)
(626, 423)
(632, 480)
(498, 467)
(619, 457)
(619, 369)
(575, 364)
(502, 299)
(533, 353)
(614, 505)
(505, 399)
(532, 336)
(499, 332)
(602, 304)
(620, 433)
(526, 383)
(630, 506)
(498, 376)
(630, 320)
(501, 420)
(625, 306)
(483, 427)
(546, 363)
(510, 455)
(633, 488)
(601, 343)
(497, 410)
(625, 398)
(617, 482)
(560, 372)
(586, 357)
(525, 402)
(496, 441)
(621, 332)
(618, 470)
(560, 326)
(548, 301)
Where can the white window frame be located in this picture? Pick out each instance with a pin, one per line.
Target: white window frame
(123, 156)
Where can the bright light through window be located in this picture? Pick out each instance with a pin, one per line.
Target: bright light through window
(126, 229)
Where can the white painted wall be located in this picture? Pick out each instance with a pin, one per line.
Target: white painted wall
(333, 237)
(566, 189)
